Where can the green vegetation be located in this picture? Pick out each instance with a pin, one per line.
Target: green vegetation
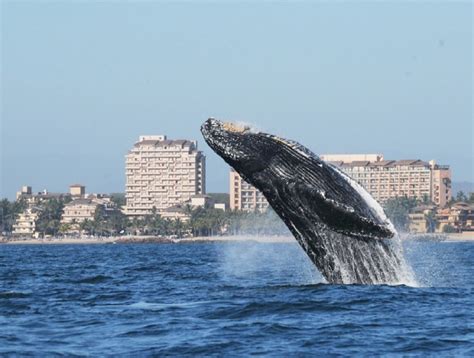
(202, 222)
(49, 218)
(9, 212)
(448, 229)
(118, 199)
(397, 210)
(220, 198)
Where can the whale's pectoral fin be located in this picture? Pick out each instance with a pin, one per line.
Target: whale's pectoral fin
(340, 217)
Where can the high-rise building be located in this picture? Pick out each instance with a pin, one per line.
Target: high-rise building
(383, 179)
(161, 173)
(386, 179)
(244, 196)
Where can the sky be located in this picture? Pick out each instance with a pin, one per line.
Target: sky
(81, 80)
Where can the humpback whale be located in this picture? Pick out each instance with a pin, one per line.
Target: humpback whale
(342, 229)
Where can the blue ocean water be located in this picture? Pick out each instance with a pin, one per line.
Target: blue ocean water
(226, 299)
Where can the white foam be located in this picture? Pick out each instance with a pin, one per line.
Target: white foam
(375, 207)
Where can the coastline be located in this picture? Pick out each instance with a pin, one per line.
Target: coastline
(148, 239)
(463, 237)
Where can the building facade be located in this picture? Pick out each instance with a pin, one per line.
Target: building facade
(77, 190)
(383, 179)
(244, 196)
(387, 179)
(460, 217)
(78, 210)
(25, 223)
(162, 173)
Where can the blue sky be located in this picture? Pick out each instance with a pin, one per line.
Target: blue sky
(82, 80)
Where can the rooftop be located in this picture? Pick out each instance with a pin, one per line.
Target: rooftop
(384, 163)
(81, 202)
(166, 143)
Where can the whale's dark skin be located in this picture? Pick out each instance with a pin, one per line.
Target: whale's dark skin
(342, 229)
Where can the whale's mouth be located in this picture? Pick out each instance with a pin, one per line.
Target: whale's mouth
(224, 138)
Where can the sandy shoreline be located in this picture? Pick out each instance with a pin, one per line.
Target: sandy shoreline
(464, 237)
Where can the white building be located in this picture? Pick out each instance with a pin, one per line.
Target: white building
(162, 173)
(25, 223)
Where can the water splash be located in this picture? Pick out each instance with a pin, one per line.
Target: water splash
(356, 261)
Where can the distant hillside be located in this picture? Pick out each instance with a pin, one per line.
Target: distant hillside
(222, 198)
(464, 186)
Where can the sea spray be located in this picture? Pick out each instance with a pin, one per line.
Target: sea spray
(249, 260)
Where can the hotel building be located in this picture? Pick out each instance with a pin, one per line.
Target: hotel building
(244, 196)
(162, 173)
(383, 179)
(387, 179)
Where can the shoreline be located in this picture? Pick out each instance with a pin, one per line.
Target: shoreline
(148, 240)
(464, 237)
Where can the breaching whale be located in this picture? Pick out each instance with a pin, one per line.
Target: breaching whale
(342, 229)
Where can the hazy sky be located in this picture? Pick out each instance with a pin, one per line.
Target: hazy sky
(82, 80)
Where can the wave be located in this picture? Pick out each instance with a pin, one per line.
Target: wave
(93, 279)
(14, 294)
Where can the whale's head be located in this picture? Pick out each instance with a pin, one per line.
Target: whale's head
(240, 146)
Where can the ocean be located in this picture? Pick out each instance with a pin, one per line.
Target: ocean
(227, 299)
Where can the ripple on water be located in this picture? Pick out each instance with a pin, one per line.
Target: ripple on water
(204, 300)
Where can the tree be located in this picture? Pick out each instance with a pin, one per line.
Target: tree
(430, 218)
(118, 199)
(398, 209)
(49, 218)
(9, 212)
(426, 199)
(471, 198)
(109, 221)
(64, 228)
(460, 196)
(449, 229)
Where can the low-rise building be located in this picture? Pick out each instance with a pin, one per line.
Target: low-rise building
(77, 211)
(176, 212)
(26, 194)
(422, 219)
(200, 200)
(25, 224)
(460, 217)
(220, 206)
